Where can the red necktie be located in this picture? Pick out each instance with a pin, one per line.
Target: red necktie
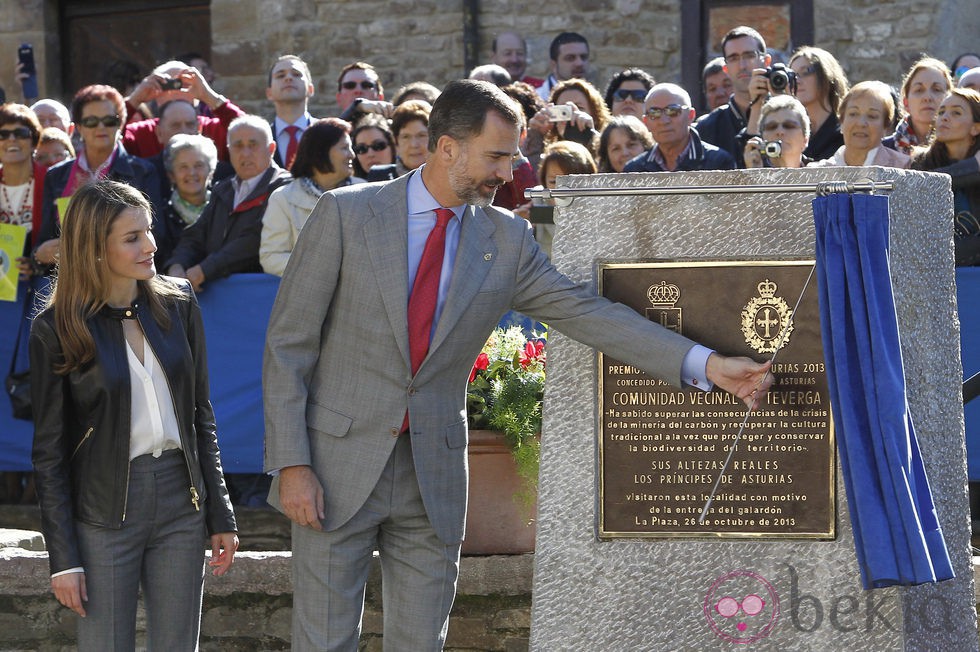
(425, 290)
(292, 130)
(425, 293)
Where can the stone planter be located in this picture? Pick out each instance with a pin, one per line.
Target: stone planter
(496, 524)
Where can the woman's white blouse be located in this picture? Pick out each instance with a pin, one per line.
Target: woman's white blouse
(153, 421)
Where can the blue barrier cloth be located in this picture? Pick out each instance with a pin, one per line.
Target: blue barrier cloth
(968, 307)
(893, 517)
(236, 313)
(16, 436)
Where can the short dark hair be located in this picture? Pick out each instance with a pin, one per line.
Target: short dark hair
(20, 114)
(525, 95)
(741, 32)
(462, 108)
(290, 57)
(313, 152)
(563, 39)
(358, 65)
(713, 67)
(630, 74)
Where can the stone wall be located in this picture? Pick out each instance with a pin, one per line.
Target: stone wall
(251, 607)
(423, 39)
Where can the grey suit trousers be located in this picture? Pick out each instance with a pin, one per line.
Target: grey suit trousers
(330, 569)
(161, 547)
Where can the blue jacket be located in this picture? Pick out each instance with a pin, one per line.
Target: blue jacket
(721, 128)
(705, 157)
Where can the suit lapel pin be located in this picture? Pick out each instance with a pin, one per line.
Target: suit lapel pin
(487, 256)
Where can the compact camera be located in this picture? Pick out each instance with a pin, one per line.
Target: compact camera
(772, 149)
(173, 84)
(781, 78)
(559, 113)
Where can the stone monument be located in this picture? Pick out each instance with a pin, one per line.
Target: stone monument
(655, 592)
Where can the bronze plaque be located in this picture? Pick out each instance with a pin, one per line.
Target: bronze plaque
(661, 449)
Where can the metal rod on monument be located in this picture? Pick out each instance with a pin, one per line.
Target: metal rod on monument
(824, 187)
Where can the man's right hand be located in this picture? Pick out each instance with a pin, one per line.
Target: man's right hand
(301, 496)
(759, 88)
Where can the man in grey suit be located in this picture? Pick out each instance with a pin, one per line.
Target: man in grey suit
(371, 453)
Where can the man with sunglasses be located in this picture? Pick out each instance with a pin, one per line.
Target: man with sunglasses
(290, 89)
(627, 91)
(359, 93)
(744, 50)
(668, 115)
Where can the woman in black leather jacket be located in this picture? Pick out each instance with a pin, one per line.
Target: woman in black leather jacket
(125, 452)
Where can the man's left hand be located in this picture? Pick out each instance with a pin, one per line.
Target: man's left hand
(743, 377)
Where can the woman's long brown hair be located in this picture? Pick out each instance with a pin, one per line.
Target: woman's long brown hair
(83, 281)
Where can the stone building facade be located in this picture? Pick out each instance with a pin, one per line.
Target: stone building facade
(408, 40)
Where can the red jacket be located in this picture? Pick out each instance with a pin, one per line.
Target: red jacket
(140, 138)
(39, 172)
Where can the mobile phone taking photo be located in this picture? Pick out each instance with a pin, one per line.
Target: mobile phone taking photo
(25, 55)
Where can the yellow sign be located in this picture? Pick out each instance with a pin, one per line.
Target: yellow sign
(12, 239)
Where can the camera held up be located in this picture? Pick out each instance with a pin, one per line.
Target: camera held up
(772, 149)
(781, 78)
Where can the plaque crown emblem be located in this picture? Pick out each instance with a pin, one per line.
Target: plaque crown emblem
(663, 294)
(767, 289)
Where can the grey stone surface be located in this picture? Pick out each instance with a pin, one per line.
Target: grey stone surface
(650, 594)
(26, 539)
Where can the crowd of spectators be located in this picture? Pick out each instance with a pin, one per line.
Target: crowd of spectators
(231, 191)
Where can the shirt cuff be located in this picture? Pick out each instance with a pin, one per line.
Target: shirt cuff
(76, 569)
(694, 368)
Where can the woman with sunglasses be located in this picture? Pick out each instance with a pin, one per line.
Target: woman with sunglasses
(785, 130)
(627, 91)
(99, 112)
(820, 86)
(324, 161)
(21, 179)
(373, 144)
(955, 151)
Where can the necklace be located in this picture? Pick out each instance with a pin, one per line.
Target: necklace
(10, 215)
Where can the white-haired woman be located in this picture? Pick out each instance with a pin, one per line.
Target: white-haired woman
(189, 160)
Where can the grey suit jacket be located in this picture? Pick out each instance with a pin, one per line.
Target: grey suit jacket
(337, 377)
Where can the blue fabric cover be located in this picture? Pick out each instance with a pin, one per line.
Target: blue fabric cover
(896, 530)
